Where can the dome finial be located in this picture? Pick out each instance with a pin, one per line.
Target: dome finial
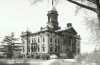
(53, 5)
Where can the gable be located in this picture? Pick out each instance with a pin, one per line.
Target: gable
(72, 30)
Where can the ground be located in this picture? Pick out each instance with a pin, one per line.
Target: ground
(37, 62)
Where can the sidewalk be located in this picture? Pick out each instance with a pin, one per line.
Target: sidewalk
(61, 62)
(48, 62)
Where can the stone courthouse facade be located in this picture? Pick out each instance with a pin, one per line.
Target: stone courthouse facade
(51, 40)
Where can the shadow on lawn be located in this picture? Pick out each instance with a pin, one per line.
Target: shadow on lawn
(14, 64)
(6, 62)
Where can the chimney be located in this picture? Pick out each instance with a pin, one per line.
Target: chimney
(69, 25)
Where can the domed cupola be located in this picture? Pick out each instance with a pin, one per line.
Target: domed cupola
(53, 19)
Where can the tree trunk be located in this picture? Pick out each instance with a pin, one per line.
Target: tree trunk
(99, 20)
(98, 14)
(98, 31)
(98, 10)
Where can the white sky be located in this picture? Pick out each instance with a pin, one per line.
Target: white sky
(17, 15)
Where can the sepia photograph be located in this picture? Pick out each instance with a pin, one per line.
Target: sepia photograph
(50, 32)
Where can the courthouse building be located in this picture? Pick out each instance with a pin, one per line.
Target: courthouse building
(51, 39)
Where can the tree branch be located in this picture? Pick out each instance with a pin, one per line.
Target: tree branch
(84, 6)
(92, 1)
(98, 7)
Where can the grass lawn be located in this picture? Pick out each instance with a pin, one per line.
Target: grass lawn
(21, 61)
(13, 62)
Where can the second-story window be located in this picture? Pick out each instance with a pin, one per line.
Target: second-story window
(38, 48)
(43, 47)
(38, 40)
(55, 40)
(34, 47)
(23, 49)
(58, 41)
(32, 40)
(51, 48)
(56, 48)
(43, 39)
(50, 39)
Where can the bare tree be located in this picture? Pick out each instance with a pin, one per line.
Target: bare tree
(96, 10)
(95, 2)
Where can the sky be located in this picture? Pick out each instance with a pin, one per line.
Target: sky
(19, 15)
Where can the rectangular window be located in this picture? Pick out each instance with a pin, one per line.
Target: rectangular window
(51, 48)
(32, 48)
(56, 48)
(58, 41)
(28, 49)
(23, 49)
(43, 47)
(50, 39)
(43, 39)
(38, 40)
(32, 40)
(38, 48)
(55, 40)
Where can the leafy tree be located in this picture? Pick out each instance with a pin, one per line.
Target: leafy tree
(9, 45)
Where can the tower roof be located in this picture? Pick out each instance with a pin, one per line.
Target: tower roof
(53, 5)
(53, 8)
